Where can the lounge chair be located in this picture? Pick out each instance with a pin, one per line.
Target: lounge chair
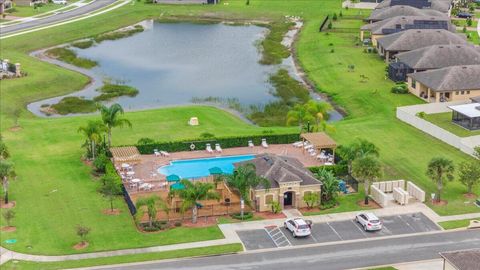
(218, 148)
(165, 153)
(264, 143)
(156, 152)
(250, 144)
(297, 144)
(209, 148)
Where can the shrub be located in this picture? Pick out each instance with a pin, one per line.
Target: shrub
(332, 50)
(328, 204)
(311, 199)
(69, 56)
(330, 25)
(400, 88)
(83, 44)
(421, 114)
(275, 206)
(145, 141)
(337, 169)
(100, 163)
(178, 223)
(334, 16)
(225, 142)
(207, 135)
(246, 215)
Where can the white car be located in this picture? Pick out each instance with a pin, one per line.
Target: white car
(60, 2)
(369, 221)
(298, 227)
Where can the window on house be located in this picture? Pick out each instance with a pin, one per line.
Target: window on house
(463, 92)
(468, 92)
(456, 93)
(268, 199)
(414, 83)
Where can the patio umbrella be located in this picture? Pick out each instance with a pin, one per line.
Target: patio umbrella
(173, 178)
(177, 186)
(215, 171)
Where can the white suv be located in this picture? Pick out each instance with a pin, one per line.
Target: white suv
(60, 2)
(298, 227)
(369, 221)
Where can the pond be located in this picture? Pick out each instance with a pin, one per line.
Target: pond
(180, 63)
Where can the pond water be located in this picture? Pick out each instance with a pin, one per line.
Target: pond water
(173, 63)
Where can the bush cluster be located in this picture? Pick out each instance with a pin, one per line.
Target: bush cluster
(400, 88)
(246, 215)
(337, 169)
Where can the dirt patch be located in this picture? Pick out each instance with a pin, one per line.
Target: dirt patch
(8, 228)
(81, 245)
(470, 196)
(110, 212)
(201, 222)
(269, 215)
(9, 205)
(371, 204)
(16, 128)
(440, 203)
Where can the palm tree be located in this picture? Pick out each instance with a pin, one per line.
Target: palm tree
(440, 170)
(151, 203)
(319, 110)
(299, 116)
(93, 132)
(6, 171)
(4, 153)
(193, 193)
(330, 185)
(111, 118)
(357, 149)
(366, 169)
(243, 179)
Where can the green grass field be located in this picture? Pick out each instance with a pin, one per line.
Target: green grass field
(444, 120)
(455, 224)
(28, 11)
(55, 191)
(206, 251)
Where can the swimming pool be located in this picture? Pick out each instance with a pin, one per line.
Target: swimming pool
(196, 168)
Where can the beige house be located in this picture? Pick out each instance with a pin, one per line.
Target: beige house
(461, 260)
(456, 83)
(289, 182)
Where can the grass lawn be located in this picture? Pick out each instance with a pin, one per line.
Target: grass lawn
(206, 251)
(444, 120)
(346, 203)
(28, 11)
(384, 268)
(55, 191)
(455, 224)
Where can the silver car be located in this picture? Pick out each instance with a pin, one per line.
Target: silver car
(369, 221)
(298, 227)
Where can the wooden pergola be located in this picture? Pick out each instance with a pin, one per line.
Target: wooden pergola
(319, 140)
(128, 154)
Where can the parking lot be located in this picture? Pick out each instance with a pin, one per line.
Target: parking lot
(272, 237)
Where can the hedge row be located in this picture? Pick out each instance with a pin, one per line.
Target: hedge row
(226, 142)
(337, 169)
(110, 170)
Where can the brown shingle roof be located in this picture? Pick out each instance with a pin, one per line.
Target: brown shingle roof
(418, 38)
(390, 12)
(463, 259)
(440, 56)
(450, 78)
(281, 169)
(319, 140)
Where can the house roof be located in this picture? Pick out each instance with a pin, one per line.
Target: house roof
(476, 99)
(440, 56)
(471, 110)
(390, 12)
(281, 169)
(408, 22)
(463, 259)
(450, 78)
(439, 5)
(418, 38)
(319, 140)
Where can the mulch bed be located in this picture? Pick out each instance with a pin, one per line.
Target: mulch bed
(9, 205)
(440, 203)
(269, 215)
(201, 222)
(371, 204)
(15, 129)
(109, 212)
(8, 228)
(81, 245)
(470, 196)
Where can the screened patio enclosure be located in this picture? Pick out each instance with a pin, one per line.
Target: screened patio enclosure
(466, 115)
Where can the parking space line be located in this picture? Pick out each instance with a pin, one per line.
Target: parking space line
(277, 240)
(335, 231)
(408, 224)
(356, 225)
(385, 228)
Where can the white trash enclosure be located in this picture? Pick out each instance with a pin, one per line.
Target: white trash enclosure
(387, 192)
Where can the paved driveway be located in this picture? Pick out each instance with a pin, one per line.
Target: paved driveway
(339, 231)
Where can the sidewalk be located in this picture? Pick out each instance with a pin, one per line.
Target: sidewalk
(436, 264)
(229, 231)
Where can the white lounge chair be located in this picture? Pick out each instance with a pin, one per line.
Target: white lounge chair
(209, 148)
(250, 144)
(264, 143)
(165, 153)
(218, 148)
(156, 152)
(297, 144)
(313, 153)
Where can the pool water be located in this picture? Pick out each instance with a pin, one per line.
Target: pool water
(197, 168)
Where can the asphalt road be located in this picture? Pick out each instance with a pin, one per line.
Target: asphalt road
(330, 257)
(337, 231)
(97, 4)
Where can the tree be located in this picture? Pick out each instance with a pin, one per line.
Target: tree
(330, 185)
(6, 171)
(311, 199)
(4, 153)
(111, 118)
(357, 149)
(93, 133)
(8, 216)
(243, 179)
(469, 175)
(334, 16)
(151, 203)
(82, 232)
(366, 169)
(193, 193)
(319, 111)
(440, 170)
(298, 115)
(110, 189)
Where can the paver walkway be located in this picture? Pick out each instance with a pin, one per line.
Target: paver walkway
(229, 231)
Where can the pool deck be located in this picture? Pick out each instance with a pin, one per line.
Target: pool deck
(146, 169)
